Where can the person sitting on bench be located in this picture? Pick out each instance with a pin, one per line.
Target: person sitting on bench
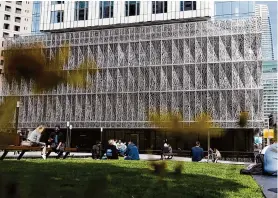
(34, 137)
(57, 141)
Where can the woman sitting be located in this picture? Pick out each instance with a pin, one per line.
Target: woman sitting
(111, 151)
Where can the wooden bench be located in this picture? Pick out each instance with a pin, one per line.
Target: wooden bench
(24, 149)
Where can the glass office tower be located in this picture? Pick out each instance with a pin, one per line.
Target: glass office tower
(36, 17)
(233, 9)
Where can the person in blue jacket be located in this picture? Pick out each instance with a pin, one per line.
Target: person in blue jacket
(132, 152)
(197, 152)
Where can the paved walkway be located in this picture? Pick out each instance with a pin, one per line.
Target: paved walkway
(268, 184)
(142, 157)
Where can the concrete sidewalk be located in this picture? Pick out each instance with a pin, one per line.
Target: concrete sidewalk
(268, 184)
(29, 155)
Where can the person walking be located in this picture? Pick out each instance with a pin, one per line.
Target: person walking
(34, 139)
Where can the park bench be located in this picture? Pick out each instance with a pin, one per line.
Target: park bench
(24, 149)
(9, 142)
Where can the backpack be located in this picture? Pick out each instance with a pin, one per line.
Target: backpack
(255, 169)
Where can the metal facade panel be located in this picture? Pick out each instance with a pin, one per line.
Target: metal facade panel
(212, 66)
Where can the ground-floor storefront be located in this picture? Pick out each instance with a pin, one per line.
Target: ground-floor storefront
(229, 140)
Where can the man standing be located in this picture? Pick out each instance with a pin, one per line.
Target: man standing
(197, 152)
(57, 141)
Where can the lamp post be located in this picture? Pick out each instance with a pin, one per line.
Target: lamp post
(16, 115)
(101, 131)
(68, 125)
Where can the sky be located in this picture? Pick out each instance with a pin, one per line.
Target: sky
(272, 7)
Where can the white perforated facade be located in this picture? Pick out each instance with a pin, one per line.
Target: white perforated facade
(209, 66)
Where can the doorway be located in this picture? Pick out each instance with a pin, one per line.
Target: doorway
(135, 139)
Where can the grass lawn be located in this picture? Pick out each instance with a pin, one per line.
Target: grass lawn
(88, 178)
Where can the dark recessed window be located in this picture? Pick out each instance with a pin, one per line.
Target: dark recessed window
(106, 9)
(132, 8)
(7, 17)
(6, 26)
(57, 16)
(5, 35)
(17, 19)
(8, 8)
(18, 10)
(17, 28)
(159, 7)
(2, 62)
(16, 35)
(187, 5)
(18, 2)
(57, 2)
(81, 10)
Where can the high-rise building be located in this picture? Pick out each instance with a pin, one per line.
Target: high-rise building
(267, 42)
(15, 19)
(36, 17)
(152, 55)
(234, 9)
(270, 83)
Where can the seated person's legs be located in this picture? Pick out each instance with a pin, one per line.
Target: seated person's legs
(127, 158)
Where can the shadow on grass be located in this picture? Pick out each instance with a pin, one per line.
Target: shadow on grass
(70, 179)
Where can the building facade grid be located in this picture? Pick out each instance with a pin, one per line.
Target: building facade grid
(209, 66)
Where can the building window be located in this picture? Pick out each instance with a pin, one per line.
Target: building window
(132, 8)
(18, 2)
(5, 35)
(106, 9)
(7, 17)
(9, 1)
(81, 10)
(8, 8)
(57, 2)
(57, 16)
(18, 10)
(6, 26)
(17, 28)
(16, 35)
(17, 19)
(2, 62)
(159, 7)
(187, 5)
